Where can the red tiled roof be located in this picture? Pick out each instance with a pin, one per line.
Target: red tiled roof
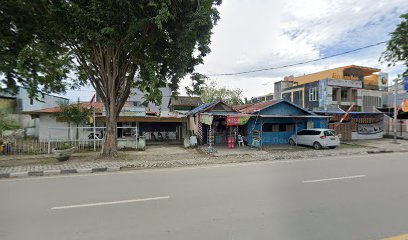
(97, 105)
(257, 106)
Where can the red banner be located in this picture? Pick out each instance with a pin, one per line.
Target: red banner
(235, 120)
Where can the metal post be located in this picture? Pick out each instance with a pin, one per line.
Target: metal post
(395, 110)
(137, 134)
(94, 130)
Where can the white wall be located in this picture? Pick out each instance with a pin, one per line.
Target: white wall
(137, 95)
(356, 135)
(48, 121)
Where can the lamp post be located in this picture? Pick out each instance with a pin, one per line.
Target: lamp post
(395, 110)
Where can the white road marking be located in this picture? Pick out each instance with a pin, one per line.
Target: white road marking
(332, 179)
(110, 203)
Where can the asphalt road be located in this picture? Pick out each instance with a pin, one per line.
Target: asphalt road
(361, 197)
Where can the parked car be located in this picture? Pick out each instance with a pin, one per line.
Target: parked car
(316, 137)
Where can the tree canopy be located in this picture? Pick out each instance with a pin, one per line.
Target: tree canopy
(397, 46)
(6, 123)
(212, 92)
(113, 45)
(74, 113)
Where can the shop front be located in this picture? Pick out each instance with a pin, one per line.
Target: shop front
(223, 129)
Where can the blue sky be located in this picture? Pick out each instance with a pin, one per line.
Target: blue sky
(255, 34)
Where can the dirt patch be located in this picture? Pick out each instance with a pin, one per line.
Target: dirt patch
(152, 153)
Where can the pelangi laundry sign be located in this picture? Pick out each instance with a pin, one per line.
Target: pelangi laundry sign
(237, 120)
(206, 119)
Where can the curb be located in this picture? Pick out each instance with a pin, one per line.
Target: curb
(54, 172)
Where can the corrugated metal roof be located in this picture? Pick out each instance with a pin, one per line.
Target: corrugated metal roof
(185, 101)
(262, 105)
(201, 108)
(258, 106)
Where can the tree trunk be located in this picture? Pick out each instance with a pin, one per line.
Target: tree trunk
(110, 148)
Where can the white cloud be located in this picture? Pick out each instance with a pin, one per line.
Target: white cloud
(255, 34)
(258, 34)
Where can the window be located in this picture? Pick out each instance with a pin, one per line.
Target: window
(344, 95)
(276, 127)
(330, 133)
(314, 132)
(314, 94)
(372, 101)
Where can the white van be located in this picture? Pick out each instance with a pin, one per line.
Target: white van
(316, 137)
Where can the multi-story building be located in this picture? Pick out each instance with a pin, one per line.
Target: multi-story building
(287, 82)
(338, 88)
(262, 98)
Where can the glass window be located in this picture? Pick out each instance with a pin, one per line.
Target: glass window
(329, 133)
(314, 94)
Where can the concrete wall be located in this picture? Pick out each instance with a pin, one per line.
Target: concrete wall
(137, 96)
(48, 121)
(7, 105)
(24, 103)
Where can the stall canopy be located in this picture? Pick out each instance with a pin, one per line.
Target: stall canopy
(232, 119)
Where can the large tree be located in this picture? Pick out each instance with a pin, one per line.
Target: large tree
(397, 46)
(212, 92)
(105, 43)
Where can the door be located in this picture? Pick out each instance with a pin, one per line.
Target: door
(311, 137)
(301, 137)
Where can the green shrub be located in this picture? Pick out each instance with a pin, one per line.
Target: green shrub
(64, 146)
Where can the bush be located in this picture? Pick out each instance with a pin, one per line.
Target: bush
(64, 146)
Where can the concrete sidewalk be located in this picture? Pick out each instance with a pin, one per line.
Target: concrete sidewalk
(169, 157)
(383, 145)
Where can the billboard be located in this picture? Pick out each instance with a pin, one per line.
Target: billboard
(382, 81)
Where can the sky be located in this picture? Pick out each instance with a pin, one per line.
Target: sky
(254, 34)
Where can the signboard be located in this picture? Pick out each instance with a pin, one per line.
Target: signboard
(129, 112)
(406, 84)
(206, 119)
(236, 120)
(382, 81)
(345, 83)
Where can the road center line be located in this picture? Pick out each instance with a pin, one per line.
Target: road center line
(332, 179)
(110, 203)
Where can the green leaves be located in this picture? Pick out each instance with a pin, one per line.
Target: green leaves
(212, 92)
(397, 47)
(6, 123)
(43, 68)
(74, 113)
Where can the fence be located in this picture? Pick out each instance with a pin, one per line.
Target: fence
(32, 146)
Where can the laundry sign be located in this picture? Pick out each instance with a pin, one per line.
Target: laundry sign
(236, 120)
(206, 119)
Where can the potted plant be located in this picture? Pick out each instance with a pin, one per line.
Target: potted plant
(63, 152)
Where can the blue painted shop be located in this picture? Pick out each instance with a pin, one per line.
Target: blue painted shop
(273, 122)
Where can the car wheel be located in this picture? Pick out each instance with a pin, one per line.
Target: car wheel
(317, 145)
(291, 142)
(333, 147)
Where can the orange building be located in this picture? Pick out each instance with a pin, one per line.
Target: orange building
(370, 77)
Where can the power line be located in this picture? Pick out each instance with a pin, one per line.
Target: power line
(299, 63)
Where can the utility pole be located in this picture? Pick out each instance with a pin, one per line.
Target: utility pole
(395, 109)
